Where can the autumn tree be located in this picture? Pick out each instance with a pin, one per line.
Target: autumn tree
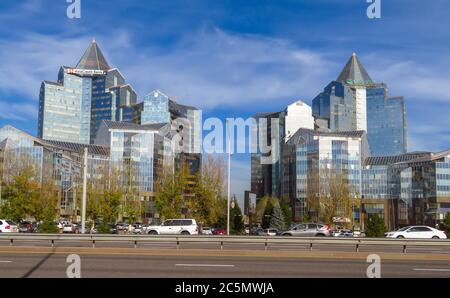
(18, 195)
(170, 193)
(45, 207)
(208, 203)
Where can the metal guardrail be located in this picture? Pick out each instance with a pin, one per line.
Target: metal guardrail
(222, 240)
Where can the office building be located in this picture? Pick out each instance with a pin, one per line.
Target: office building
(269, 132)
(71, 109)
(314, 161)
(355, 102)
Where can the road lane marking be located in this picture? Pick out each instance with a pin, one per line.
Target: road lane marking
(431, 269)
(202, 265)
(5, 261)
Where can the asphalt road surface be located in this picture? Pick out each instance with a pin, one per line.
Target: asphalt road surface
(203, 260)
(131, 266)
(237, 246)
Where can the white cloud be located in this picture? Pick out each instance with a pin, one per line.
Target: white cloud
(214, 68)
(208, 69)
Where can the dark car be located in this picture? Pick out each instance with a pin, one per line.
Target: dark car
(26, 227)
(219, 232)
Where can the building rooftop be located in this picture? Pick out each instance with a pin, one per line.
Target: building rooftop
(354, 72)
(93, 59)
(52, 83)
(388, 160)
(133, 126)
(430, 157)
(75, 147)
(304, 134)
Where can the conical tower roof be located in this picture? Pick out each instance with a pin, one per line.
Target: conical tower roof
(354, 72)
(93, 59)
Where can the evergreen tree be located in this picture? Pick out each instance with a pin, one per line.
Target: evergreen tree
(267, 215)
(287, 213)
(277, 220)
(236, 222)
(375, 227)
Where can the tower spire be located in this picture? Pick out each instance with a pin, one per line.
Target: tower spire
(93, 58)
(354, 72)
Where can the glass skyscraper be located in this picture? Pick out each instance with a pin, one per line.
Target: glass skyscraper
(185, 120)
(72, 109)
(355, 102)
(275, 129)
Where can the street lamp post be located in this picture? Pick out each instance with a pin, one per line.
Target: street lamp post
(83, 208)
(229, 180)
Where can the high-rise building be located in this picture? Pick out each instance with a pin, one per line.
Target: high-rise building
(73, 108)
(158, 107)
(355, 102)
(273, 130)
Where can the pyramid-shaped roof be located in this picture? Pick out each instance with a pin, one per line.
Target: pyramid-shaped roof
(354, 72)
(93, 59)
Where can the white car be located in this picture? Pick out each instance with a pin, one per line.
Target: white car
(68, 228)
(206, 231)
(417, 232)
(7, 226)
(174, 227)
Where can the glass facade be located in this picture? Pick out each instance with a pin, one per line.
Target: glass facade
(375, 182)
(320, 157)
(185, 120)
(386, 123)
(20, 152)
(51, 161)
(132, 153)
(355, 102)
(72, 109)
(155, 108)
(65, 109)
(137, 153)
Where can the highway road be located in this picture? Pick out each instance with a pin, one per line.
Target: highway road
(130, 266)
(206, 259)
(236, 246)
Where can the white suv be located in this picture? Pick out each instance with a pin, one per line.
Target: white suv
(7, 226)
(174, 227)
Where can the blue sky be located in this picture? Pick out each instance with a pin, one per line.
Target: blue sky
(235, 58)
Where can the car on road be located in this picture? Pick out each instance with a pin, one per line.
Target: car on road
(417, 232)
(69, 228)
(343, 233)
(308, 230)
(137, 228)
(60, 225)
(7, 226)
(267, 232)
(206, 231)
(174, 227)
(219, 232)
(26, 227)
